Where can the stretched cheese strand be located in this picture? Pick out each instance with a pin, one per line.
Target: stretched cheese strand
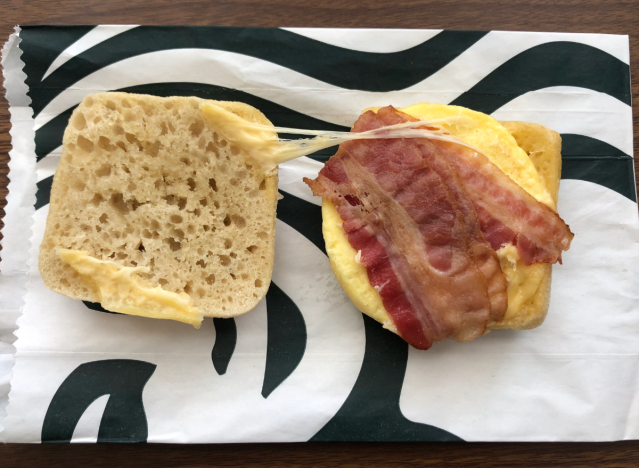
(264, 146)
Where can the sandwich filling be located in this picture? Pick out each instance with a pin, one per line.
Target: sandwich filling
(415, 211)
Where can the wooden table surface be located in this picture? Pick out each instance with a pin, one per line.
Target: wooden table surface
(588, 16)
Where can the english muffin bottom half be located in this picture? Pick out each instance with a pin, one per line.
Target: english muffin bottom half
(530, 154)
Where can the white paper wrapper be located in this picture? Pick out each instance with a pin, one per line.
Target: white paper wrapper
(18, 212)
(81, 375)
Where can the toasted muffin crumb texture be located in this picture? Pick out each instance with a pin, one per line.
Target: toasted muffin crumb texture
(147, 181)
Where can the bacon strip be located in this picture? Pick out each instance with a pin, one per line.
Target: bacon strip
(506, 211)
(481, 251)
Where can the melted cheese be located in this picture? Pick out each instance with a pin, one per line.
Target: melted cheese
(263, 145)
(119, 291)
(487, 135)
(523, 280)
(261, 141)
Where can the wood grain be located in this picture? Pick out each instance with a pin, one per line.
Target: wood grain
(589, 16)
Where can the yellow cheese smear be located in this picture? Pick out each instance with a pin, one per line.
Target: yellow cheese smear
(261, 141)
(120, 292)
(523, 280)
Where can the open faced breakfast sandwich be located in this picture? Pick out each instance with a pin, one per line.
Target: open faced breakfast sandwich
(447, 235)
(439, 221)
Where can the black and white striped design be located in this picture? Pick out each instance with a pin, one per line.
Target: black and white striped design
(304, 365)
